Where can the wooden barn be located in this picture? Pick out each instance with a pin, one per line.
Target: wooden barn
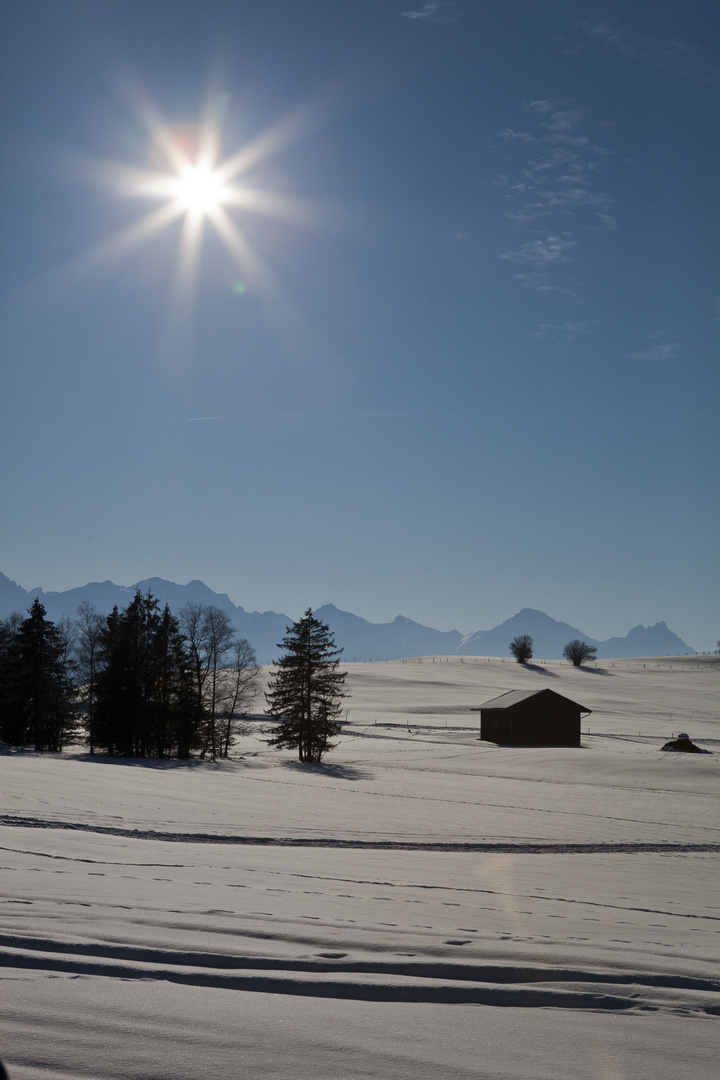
(531, 718)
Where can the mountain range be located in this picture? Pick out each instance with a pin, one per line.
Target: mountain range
(360, 639)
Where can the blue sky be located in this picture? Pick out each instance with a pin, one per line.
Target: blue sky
(456, 354)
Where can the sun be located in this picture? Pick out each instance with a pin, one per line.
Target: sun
(200, 190)
(193, 188)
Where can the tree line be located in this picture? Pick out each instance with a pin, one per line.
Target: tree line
(140, 682)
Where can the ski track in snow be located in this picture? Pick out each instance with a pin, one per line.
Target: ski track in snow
(518, 847)
(330, 975)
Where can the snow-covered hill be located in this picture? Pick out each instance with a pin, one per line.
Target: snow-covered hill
(420, 905)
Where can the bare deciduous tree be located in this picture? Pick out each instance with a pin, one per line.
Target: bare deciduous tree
(238, 690)
(67, 633)
(522, 648)
(191, 625)
(88, 647)
(577, 652)
(210, 636)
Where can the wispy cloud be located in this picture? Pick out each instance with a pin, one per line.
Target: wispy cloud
(539, 106)
(563, 120)
(568, 331)
(537, 280)
(671, 54)
(542, 252)
(552, 189)
(509, 135)
(658, 348)
(561, 167)
(436, 12)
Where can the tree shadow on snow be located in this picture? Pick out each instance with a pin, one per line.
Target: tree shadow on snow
(597, 671)
(335, 771)
(542, 670)
(149, 763)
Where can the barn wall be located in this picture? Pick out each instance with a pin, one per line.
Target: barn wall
(492, 728)
(531, 723)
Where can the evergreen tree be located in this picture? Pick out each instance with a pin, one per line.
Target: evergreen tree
(305, 692)
(124, 686)
(173, 732)
(144, 698)
(36, 672)
(108, 710)
(8, 630)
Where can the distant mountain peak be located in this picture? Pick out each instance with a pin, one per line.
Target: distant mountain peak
(359, 638)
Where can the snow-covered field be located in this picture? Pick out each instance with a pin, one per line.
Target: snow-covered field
(421, 905)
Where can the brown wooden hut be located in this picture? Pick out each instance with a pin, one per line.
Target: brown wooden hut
(531, 718)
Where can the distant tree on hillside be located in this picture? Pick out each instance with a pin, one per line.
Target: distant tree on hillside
(522, 648)
(577, 652)
(305, 692)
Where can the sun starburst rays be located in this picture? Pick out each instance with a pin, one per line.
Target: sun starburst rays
(195, 186)
(191, 192)
(187, 263)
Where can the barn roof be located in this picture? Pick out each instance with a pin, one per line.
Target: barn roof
(514, 697)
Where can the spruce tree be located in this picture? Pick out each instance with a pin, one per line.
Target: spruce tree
(37, 683)
(145, 705)
(306, 690)
(8, 676)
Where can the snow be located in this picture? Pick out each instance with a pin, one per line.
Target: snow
(421, 905)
